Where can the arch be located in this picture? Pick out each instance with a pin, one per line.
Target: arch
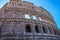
(28, 28)
(55, 31)
(50, 30)
(36, 28)
(44, 29)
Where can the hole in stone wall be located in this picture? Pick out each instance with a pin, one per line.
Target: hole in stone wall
(36, 28)
(28, 28)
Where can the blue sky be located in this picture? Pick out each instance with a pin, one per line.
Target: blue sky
(53, 6)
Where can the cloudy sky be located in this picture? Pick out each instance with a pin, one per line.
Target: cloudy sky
(53, 6)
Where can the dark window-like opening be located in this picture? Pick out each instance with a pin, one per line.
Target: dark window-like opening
(44, 30)
(36, 28)
(55, 32)
(28, 28)
(50, 30)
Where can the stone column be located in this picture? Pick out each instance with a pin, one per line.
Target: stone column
(48, 29)
(52, 30)
(33, 28)
(41, 28)
(0, 28)
(24, 30)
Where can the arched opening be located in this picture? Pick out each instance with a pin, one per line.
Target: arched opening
(44, 29)
(28, 28)
(55, 32)
(50, 30)
(36, 28)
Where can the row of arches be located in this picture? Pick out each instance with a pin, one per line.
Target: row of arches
(43, 29)
(37, 28)
(28, 28)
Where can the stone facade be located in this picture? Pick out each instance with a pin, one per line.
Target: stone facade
(37, 24)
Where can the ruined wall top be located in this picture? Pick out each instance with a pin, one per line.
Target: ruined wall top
(15, 0)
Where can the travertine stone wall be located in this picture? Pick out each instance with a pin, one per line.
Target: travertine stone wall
(13, 22)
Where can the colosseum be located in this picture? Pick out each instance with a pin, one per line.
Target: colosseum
(22, 20)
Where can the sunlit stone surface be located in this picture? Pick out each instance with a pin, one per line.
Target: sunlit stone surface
(22, 20)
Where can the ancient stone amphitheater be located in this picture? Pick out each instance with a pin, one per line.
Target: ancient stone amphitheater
(21, 20)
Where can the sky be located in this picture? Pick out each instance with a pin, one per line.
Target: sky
(52, 6)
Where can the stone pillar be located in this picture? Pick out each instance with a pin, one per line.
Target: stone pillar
(24, 30)
(48, 29)
(52, 30)
(33, 28)
(41, 28)
(0, 28)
